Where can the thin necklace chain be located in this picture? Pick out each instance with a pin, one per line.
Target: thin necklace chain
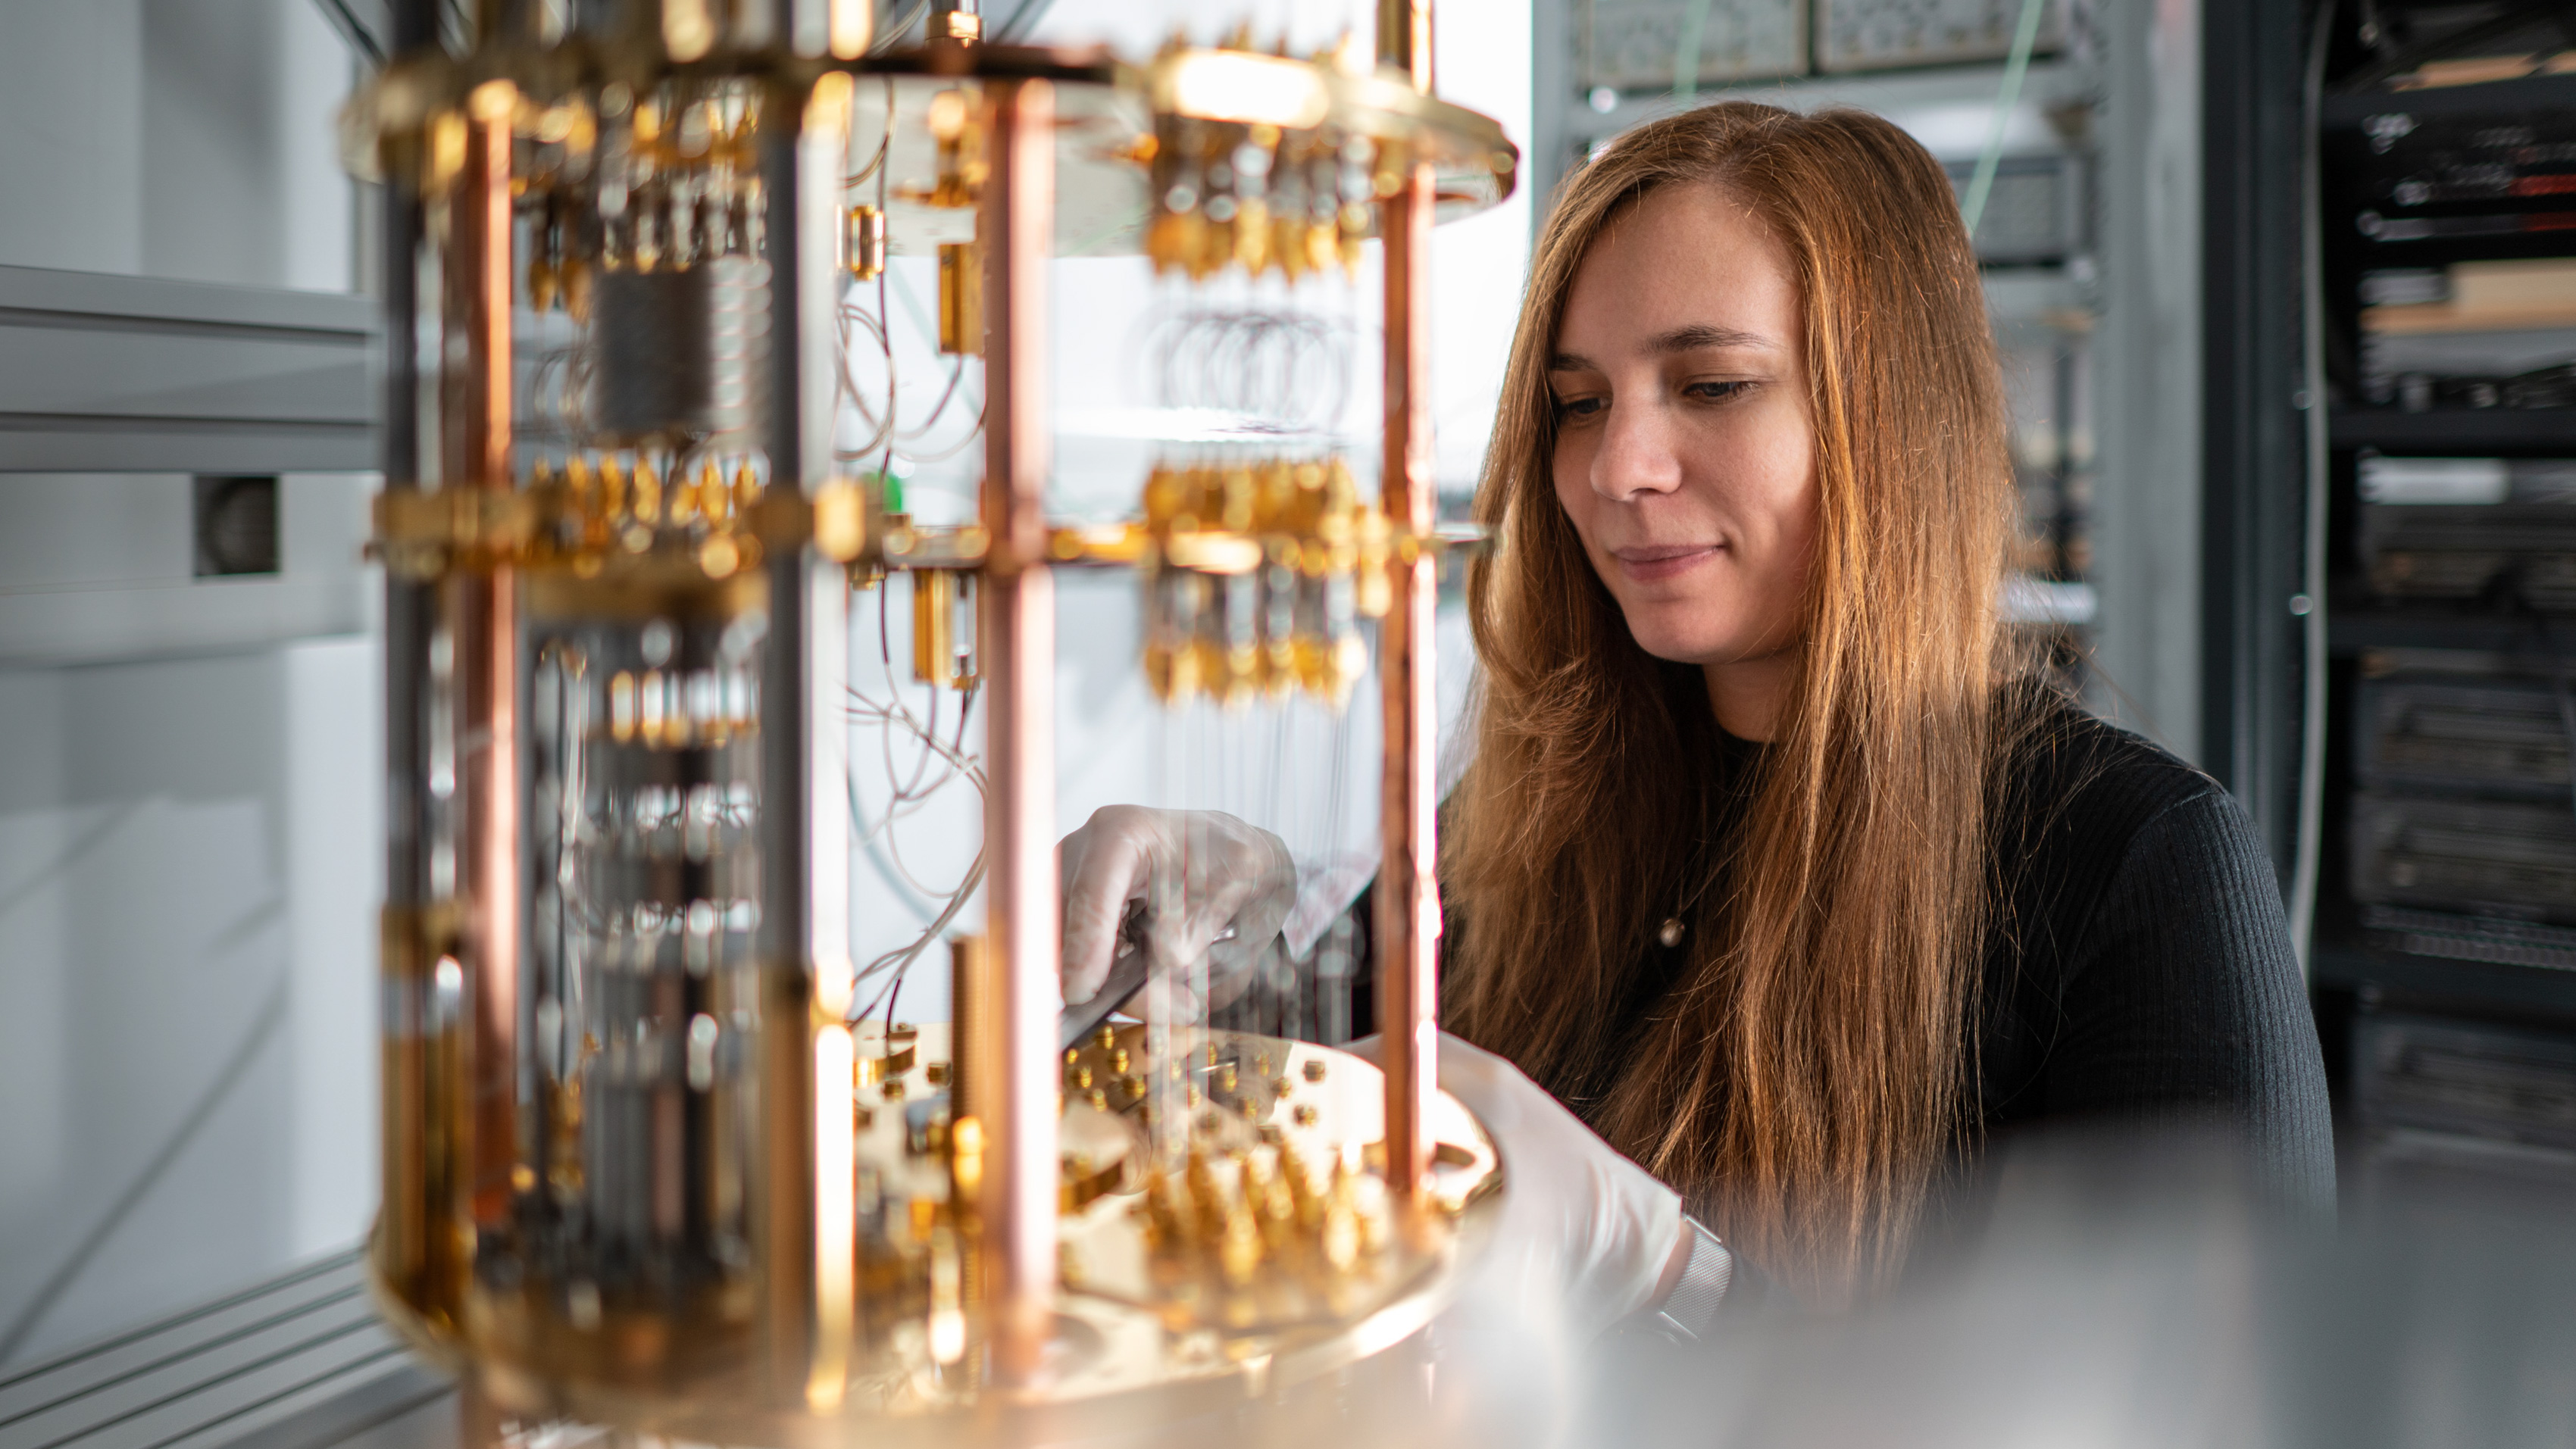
(1670, 933)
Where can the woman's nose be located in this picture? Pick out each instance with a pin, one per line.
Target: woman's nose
(1637, 455)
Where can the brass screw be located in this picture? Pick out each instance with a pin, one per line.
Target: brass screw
(1305, 1114)
(1314, 1069)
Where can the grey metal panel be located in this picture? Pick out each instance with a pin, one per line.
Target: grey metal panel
(141, 374)
(98, 567)
(410, 1408)
(300, 1358)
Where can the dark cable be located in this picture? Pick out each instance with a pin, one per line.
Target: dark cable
(1022, 21)
(270, 1015)
(353, 32)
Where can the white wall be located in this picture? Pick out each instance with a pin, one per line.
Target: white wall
(188, 837)
(188, 862)
(71, 135)
(174, 138)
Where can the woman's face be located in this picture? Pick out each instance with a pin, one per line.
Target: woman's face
(1685, 453)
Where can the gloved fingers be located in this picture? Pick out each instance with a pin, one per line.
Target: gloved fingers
(1216, 849)
(1240, 926)
(1107, 863)
(1227, 986)
(1170, 997)
(1491, 1086)
(1208, 928)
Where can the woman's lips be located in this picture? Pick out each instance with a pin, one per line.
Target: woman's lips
(1663, 561)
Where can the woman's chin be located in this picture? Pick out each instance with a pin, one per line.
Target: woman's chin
(1682, 645)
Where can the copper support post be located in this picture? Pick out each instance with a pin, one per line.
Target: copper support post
(1018, 615)
(1404, 39)
(1408, 896)
(484, 615)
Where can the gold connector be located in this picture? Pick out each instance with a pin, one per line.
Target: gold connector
(867, 243)
(943, 628)
(961, 298)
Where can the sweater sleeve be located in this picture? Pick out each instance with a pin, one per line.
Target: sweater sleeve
(2182, 1005)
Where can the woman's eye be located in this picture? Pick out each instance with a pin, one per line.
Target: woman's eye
(1579, 407)
(1715, 391)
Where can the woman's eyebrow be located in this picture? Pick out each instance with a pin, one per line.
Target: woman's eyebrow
(1664, 344)
(1699, 335)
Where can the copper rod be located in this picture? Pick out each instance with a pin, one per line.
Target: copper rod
(1017, 1239)
(1404, 39)
(485, 217)
(484, 617)
(1408, 896)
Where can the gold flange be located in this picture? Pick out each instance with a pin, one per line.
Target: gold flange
(1188, 1287)
(392, 128)
(553, 525)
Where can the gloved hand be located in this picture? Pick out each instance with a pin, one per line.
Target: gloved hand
(1208, 885)
(1585, 1233)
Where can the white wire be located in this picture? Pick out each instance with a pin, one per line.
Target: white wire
(2308, 859)
(1982, 183)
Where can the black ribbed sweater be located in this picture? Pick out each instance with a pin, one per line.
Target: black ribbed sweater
(2142, 971)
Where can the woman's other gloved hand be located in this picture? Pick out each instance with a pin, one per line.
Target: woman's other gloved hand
(1585, 1233)
(1207, 884)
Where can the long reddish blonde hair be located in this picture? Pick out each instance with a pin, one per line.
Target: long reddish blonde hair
(1809, 1068)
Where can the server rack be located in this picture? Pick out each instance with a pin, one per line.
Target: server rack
(2439, 156)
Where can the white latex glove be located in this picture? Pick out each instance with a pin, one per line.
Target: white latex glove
(1585, 1232)
(1209, 885)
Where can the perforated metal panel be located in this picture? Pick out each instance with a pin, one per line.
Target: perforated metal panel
(1635, 45)
(1885, 34)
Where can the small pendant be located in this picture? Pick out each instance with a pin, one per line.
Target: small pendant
(1671, 934)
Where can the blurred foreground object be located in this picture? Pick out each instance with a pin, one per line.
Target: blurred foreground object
(2124, 1290)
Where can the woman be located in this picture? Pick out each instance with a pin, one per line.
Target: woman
(1775, 862)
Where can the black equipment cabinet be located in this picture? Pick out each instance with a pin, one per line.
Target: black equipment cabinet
(2444, 211)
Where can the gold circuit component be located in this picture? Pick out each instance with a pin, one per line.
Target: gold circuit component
(943, 628)
(866, 242)
(957, 133)
(598, 509)
(1258, 573)
(1296, 198)
(961, 298)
